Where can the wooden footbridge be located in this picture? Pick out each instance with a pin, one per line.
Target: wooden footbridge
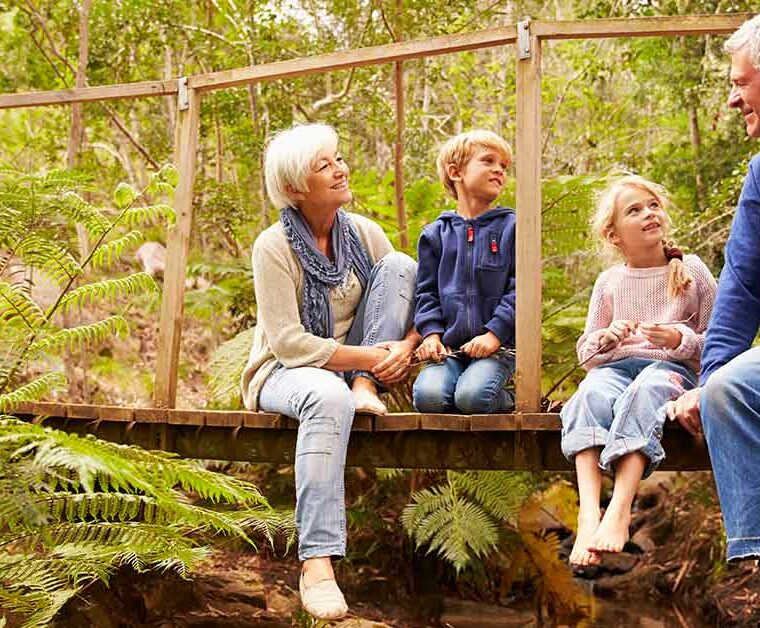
(526, 439)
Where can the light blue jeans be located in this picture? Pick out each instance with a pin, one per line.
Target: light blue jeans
(324, 404)
(730, 409)
(620, 408)
(466, 385)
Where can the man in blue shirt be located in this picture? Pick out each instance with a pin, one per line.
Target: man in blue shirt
(727, 404)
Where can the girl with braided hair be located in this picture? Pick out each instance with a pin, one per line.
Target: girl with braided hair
(642, 345)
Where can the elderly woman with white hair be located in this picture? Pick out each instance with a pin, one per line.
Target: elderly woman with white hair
(335, 307)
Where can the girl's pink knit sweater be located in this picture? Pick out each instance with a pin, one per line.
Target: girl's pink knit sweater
(641, 294)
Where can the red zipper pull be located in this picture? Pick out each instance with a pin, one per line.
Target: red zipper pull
(494, 245)
(470, 234)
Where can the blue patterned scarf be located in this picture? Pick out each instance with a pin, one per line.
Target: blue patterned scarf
(320, 273)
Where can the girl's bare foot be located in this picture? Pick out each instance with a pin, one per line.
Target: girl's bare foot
(612, 533)
(365, 396)
(581, 554)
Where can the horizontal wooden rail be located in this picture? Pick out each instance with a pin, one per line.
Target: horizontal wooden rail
(670, 26)
(434, 441)
(358, 57)
(89, 94)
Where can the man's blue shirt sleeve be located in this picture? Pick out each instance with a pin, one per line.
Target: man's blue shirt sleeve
(736, 315)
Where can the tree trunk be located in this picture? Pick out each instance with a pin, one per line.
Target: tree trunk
(76, 138)
(696, 145)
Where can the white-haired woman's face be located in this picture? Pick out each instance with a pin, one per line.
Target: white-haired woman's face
(327, 182)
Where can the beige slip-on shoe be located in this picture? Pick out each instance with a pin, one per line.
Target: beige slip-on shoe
(323, 600)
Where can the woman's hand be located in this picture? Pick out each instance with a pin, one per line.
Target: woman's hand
(432, 349)
(661, 336)
(395, 365)
(482, 346)
(617, 332)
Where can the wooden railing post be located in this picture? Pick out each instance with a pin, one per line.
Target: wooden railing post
(398, 82)
(528, 158)
(172, 302)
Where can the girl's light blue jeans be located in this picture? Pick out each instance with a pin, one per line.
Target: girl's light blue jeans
(324, 404)
(620, 408)
(730, 410)
(466, 385)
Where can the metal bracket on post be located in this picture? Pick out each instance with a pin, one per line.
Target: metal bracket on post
(182, 98)
(523, 39)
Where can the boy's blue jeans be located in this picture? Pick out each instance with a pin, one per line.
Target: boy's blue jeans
(466, 385)
(620, 408)
(324, 404)
(730, 410)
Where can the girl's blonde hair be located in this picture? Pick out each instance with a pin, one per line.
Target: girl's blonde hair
(603, 224)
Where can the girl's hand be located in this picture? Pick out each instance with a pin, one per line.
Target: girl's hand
(661, 336)
(395, 366)
(431, 349)
(482, 346)
(617, 332)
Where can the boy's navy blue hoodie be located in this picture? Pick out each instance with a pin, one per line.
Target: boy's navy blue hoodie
(466, 277)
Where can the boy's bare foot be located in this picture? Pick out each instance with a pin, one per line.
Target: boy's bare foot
(612, 533)
(365, 396)
(581, 554)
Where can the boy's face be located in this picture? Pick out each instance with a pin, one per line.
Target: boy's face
(484, 175)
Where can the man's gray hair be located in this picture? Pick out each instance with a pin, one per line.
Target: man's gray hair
(747, 35)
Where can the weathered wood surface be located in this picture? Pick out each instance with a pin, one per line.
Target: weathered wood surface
(88, 94)
(173, 296)
(528, 250)
(666, 25)
(426, 441)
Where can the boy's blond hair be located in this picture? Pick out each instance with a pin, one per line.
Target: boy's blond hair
(458, 150)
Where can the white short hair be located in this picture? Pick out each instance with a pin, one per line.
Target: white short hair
(748, 34)
(290, 154)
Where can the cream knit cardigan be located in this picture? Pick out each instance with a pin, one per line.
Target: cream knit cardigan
(279, 335)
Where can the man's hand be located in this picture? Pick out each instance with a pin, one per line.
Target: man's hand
(617, 332)
(685, 410)
(394, 368)
(482, 346)
(432, 348)
(661, 336)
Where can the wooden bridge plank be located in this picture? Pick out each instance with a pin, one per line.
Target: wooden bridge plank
(397, 422)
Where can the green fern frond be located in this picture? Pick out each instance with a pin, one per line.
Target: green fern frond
(49, 257)
(79, 211)
(108, 290)
(74, 338)
(452, 526)
(16, 304)
(32, 391)
(225, 369)
(108, 252)
(501, 493)
(135, 216)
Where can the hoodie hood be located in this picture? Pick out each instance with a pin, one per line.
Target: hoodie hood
(453, 218)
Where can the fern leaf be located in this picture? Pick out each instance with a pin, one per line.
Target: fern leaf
(49, 257)
(108, 252)
(15, 303)
(108, 290)
(150, 214)
(501, 493)
(78, 210)
(74, 338)
(225, 369)
(32, 391)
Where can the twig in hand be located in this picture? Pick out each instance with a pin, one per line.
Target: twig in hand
(605, 347)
